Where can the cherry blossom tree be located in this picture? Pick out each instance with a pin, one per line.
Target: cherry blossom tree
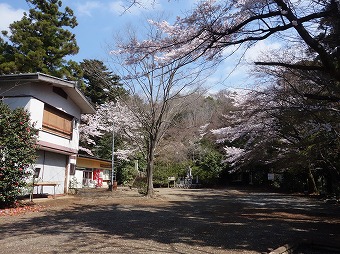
(309, 34)
(281, 129)
(109, 117)
(242, 127)
(215, 25)
(156, 94)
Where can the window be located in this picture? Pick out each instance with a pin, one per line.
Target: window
(57, 122)
(87, 179)
(106, 174)
(72, 169)
(87, 175)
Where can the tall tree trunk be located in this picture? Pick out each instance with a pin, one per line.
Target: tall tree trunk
(149, 169)
(315, 189)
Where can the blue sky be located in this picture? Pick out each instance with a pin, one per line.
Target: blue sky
(99, 21)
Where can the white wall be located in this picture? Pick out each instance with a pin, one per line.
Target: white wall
(32, 97)
(44, 93)
(32, 105)
(52, 169)
(35, 105)
(36, 109)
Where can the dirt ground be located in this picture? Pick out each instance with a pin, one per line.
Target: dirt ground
(176, 221)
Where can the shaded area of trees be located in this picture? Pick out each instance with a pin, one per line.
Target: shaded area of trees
(209, 221)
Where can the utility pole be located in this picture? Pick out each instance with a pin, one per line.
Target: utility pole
(113, 174)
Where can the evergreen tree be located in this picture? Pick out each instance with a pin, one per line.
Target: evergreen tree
(100, 84)
(39, 42)
(17, 152)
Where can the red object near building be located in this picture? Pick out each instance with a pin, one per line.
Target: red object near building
(97, 178)
(100, 182)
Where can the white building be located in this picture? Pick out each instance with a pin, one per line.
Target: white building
(55, 106)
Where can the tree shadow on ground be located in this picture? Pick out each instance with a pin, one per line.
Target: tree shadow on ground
(206, 221)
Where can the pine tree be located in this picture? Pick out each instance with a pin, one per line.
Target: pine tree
(39, 42)
(101, 85)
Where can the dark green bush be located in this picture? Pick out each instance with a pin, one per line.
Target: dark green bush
(17, 153)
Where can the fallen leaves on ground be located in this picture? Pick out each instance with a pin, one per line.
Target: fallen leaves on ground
(21, 209)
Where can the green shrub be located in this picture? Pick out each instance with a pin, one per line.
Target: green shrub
(208, 168)
(164, 170)
(17, 153)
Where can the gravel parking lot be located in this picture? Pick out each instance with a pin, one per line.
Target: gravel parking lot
(177, 221)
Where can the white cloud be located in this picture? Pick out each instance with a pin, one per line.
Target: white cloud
(8, 15)
(260, 49)
(117, 7)
(87, 7)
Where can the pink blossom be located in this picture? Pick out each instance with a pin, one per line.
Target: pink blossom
(213, 26)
